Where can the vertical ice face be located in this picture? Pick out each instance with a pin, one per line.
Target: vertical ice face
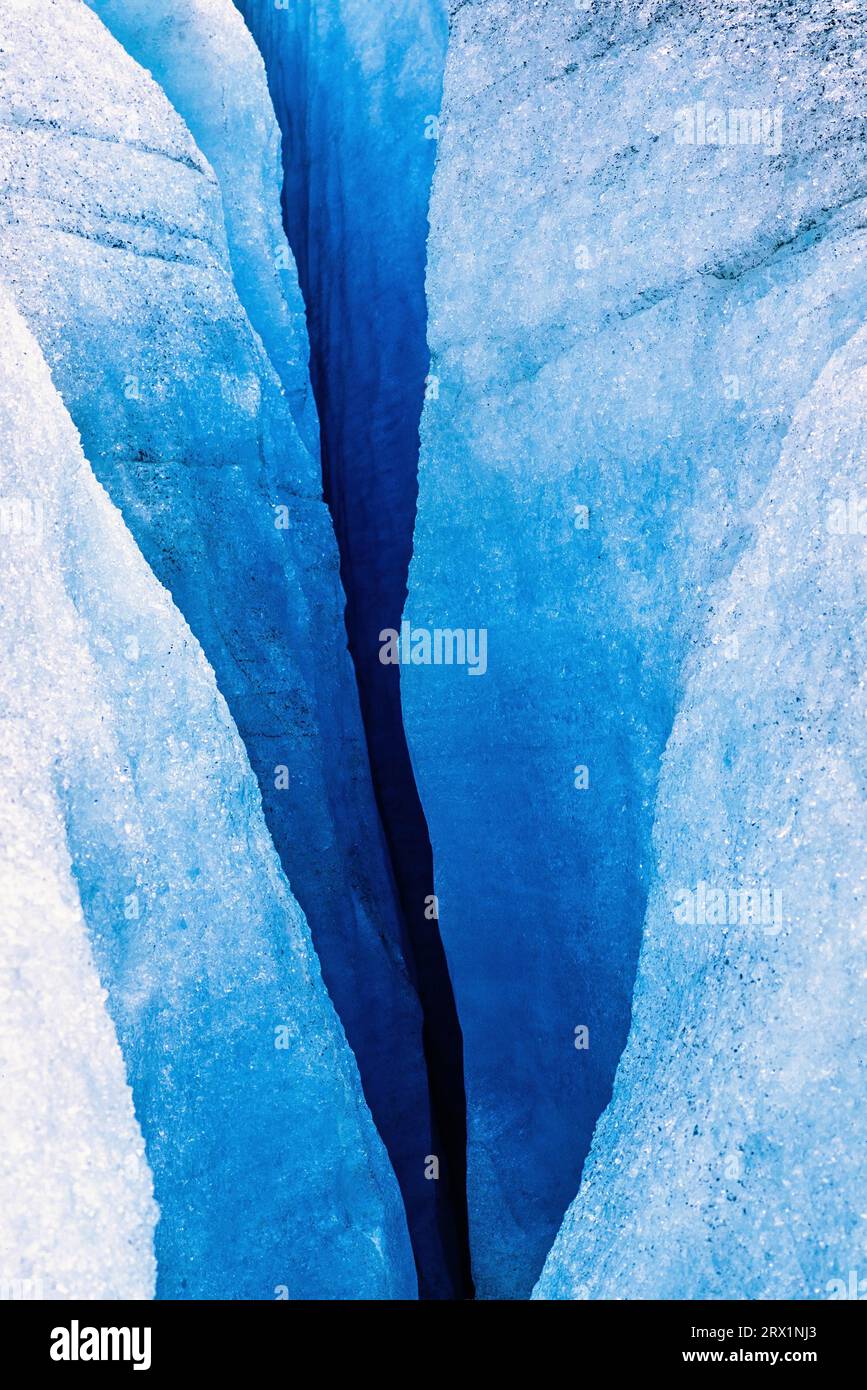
(203, 57)
(646, 244)
(357, 90)
(113, 244)
(356, 87)
(730, 1163)
(76, 1204)
(127, 790)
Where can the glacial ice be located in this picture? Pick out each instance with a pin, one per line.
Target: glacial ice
(646, 397)
(113, 244)
(203, 57)
(357, 90)
(356, 86)
(642, 482)
(75, 1191)
(127, 789)
(730, 1162)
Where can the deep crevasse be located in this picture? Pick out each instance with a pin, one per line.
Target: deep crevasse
(113, 247)
(624, 327)
(128, 801)
(205, 60)
(356, 87)
(641, 434)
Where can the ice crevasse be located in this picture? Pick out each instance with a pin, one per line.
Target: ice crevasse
(648, 419)
(133, 843)
(641, 476)
(145, 274)
(356, 88)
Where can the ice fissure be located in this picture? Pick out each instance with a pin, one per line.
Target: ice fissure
(356, 88)
(129, 806)
(120, 256)
(434, 779)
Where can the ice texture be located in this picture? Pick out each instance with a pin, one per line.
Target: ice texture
(626, 327)
(202, 55)
(356, 86)
(730, 1163)
(113, 244)
(129, 795)
(76, 1198)
(357, 90)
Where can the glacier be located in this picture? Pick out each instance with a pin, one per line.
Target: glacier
(432, 514)
(114, 246)
(144, 820)
(646, 262)
(76, 1192)
(356, 87)
(203, 57)
(730, 1162)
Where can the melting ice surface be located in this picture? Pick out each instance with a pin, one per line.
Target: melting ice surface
(134, 802)
(648, 402)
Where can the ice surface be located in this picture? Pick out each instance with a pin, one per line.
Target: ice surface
(122, 762)
(76, 1204)
(203, 57)
(623, 325)
(112, 241)
(730, 1163)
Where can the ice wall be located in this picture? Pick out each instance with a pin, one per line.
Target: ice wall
(76, 1197)
(356, 87)
(730, 1163)
(203, 57)
(134, 803)
(625, 316)
(113, 244)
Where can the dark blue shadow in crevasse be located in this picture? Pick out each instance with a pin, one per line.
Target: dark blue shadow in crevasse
(358, 161)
